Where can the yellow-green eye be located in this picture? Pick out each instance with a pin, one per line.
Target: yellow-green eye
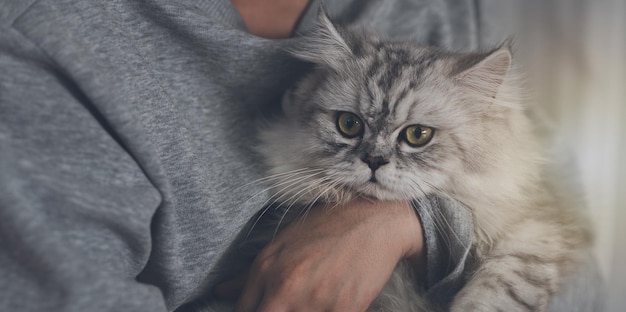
(349, 125)
(417, 135)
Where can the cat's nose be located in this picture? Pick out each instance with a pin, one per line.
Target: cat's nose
(374, 162)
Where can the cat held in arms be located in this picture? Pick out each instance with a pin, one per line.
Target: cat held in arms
(427, 123)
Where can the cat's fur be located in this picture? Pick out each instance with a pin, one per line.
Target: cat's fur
(483, 155)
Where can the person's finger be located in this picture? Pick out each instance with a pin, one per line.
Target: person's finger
(231, 289)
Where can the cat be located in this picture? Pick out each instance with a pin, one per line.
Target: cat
(393, 120)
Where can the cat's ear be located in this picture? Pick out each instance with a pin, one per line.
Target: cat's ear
(485, 72)
(324, 45)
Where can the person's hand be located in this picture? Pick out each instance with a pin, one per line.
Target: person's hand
(333, 260)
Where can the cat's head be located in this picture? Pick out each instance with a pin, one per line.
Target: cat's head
(394, 121)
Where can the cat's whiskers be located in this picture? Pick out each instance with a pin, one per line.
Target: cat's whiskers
(290, 184)
(437, 215)
(441, 221)
(278, 176)
(436, 188)
(253, 226)
(330, 186)
(417, 188)
(293, 199)
(278, 195)
(284, 175)
(339, 195)
(367, 198)
(421, 200)
(315, 183)
(486, 201)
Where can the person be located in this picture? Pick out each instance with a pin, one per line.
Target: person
(125, 150)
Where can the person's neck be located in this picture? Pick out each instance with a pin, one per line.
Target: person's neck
(270, 18)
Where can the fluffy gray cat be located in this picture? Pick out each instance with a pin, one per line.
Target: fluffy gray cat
(396, 121)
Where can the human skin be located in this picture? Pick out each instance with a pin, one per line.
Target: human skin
(270, 18)
(335, 259)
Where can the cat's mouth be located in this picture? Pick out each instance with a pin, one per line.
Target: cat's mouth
(373, 179)
(371, 187)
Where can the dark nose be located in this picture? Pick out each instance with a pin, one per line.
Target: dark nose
(374, 162)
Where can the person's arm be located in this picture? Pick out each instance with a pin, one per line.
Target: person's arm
(336, 259)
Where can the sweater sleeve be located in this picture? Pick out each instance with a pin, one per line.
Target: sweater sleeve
(71, 239)
(448, 238)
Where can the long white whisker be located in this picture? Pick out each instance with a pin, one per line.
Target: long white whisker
(330, 185)
(282, 193)
(281, 175)
(421, 201)
(297, 196)
(439, 217)
(266, 189)
(289, 183)
(339, 199)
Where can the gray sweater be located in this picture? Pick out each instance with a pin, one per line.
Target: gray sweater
(125, 135)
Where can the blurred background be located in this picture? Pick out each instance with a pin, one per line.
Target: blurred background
(578, 69)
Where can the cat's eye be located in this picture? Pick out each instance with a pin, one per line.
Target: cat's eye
(417, 135)
(349, 124)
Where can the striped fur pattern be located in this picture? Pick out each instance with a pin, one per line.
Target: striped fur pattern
(483, 154)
